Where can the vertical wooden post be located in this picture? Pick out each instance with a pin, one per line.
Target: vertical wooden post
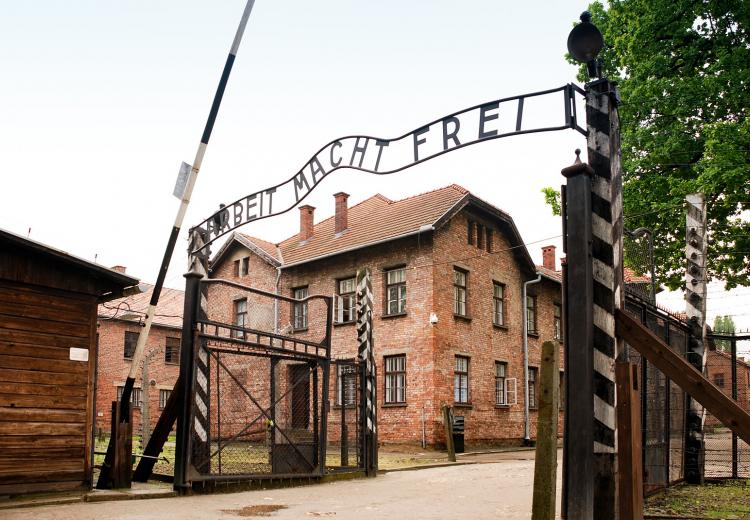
(579, 424)
(735, 453)
(629, 458)
(545, 462)
(448, 422)
(342, 373)
(145, 404)
(695, 307)
(122, 430)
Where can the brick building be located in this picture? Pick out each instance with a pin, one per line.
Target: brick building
(719, 372)
(448, 274)
(118, 327)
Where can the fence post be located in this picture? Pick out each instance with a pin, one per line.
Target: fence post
(448, 422)
(735, 453)
(191, 310)
(579, 424)
(545, 461)
(366, 356)
(630, 470)
(695, 278)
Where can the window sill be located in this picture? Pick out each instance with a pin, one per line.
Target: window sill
(299, 330)
(348, 407)
(500, 327)
(394, 405)
(462, 317)
(172, 363)
(502, 407)
(532, 334)
(389, 316)
(342, 323)
(463, 405)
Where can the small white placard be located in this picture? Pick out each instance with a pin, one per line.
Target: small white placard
(79, 354)
(182, 180)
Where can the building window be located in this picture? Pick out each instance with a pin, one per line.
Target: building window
(346, 385)
(498, 304)
(470, 233)
(461, 380)
(395, 291)
(558, 322)
(242, 267)
(395, 379)
(163, 398)
(345, 310)
(489, 240)
(299, 310)
(480, 236)
(240, 316)
(501, 396)
(131, 340)
(532, 387)
(172, 351)
(459, 292)
(719, 380)
(531, 314)
(135, 397)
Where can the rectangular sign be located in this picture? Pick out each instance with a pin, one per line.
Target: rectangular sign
(182, 180)
(79, 354)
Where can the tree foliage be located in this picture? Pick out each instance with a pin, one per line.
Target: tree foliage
(723, 325)
(683, 70)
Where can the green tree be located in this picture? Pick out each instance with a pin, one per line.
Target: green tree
(723, 325)
(683, 70)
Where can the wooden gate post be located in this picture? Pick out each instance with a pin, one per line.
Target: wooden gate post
(545, 461)
(448, 423)
(630, 468)
(122, 431)
(578, 463)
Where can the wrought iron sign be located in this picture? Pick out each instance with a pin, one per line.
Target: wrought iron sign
(492, 120)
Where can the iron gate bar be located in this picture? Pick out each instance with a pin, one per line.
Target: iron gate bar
(204, 324)
(269, 409)
(300, 356)
(263, 412)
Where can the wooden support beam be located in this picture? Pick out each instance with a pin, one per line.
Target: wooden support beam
(630, 469)
(448, 421)
(545, 461)
(684, 375)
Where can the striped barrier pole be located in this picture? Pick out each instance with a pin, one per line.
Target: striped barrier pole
(367, 358)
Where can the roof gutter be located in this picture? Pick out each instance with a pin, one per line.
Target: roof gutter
(423, 229)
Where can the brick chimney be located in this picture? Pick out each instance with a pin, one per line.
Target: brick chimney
(342, 211)
(306, 222)
(119, 268)
(548, 257)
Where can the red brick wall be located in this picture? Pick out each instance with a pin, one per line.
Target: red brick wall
(430, 349)
(113, 368)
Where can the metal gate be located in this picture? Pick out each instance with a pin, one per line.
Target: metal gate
(261, 377)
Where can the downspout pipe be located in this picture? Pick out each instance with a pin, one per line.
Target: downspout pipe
(524, 314)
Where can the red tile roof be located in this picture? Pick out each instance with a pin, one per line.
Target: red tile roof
(629, 275)
(133, 308)
(374, 220)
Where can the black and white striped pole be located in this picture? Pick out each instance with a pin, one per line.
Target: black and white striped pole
(183, 190)
(695, 307)
(369, 444)
(594, 228)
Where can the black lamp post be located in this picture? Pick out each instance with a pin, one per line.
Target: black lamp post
(584, 43)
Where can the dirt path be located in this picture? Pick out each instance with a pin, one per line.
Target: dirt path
(500, 489)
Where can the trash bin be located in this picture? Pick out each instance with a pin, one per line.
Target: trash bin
(458, 433)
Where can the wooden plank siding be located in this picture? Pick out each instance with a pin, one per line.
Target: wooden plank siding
(46, 400)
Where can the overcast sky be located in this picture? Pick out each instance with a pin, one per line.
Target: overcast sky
(100, 102)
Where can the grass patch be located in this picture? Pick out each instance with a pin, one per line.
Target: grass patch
(728, 499)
